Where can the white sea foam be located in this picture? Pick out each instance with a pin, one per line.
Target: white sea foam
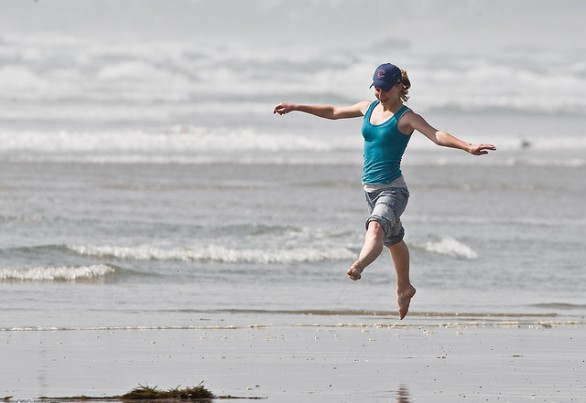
(189, 144)
(450, 247)
(56, 273)
(213, 253)
(134, 77)
(177, 102)
(171, 140)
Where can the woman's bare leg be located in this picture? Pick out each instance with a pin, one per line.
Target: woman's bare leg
(372, 248)
(405, 291)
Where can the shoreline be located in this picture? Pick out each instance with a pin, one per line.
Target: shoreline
(231, 319)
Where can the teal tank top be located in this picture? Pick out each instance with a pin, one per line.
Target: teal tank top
(384, 146)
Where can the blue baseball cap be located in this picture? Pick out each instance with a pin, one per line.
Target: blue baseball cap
(386, 76)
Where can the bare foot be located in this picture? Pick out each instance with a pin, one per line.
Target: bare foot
(355, 271)
(404, 299)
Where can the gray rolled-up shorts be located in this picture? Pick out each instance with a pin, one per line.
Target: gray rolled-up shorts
(385, 207)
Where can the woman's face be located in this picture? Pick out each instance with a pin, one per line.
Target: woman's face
(391, 95)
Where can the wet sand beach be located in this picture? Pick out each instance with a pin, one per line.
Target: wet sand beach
(309, 358)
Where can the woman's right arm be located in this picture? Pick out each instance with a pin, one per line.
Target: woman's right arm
(325, 111)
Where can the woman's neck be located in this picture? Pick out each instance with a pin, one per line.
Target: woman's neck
(391, 106)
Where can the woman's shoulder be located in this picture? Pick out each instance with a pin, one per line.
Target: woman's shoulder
(369, 104)
(364, 106)
(408, 113)
(406, 120)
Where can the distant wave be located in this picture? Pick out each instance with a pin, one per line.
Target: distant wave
(130, 81)
(450, 247)
(190, 140)
(192, 145)
(214, 253)
(306, 157)
(176, 140)
(35, 217)
(56, 273)
(195, 145)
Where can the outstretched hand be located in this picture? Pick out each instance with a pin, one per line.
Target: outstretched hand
(283, 108)
(480, 149)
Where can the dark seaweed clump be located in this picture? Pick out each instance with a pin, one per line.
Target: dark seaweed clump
(150, 393)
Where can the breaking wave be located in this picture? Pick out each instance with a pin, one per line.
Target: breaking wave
(217, 254)
(450, 247)
(56, 273)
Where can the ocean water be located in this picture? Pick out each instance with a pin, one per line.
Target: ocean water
(150, 185)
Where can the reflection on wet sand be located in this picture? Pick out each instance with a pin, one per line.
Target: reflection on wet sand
(402, 395)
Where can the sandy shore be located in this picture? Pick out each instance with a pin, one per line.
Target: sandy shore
(308, 359)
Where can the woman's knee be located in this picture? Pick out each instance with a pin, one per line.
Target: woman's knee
(376, 229)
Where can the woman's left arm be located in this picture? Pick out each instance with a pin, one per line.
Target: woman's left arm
(413, 121)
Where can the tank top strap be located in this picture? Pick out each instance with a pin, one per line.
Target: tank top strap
(371, 107)
(401, 112)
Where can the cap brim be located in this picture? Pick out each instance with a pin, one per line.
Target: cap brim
(383, 85)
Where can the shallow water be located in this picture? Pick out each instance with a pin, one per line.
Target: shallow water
(152, 244)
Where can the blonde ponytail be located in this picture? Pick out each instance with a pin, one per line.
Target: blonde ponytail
(406, 85)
